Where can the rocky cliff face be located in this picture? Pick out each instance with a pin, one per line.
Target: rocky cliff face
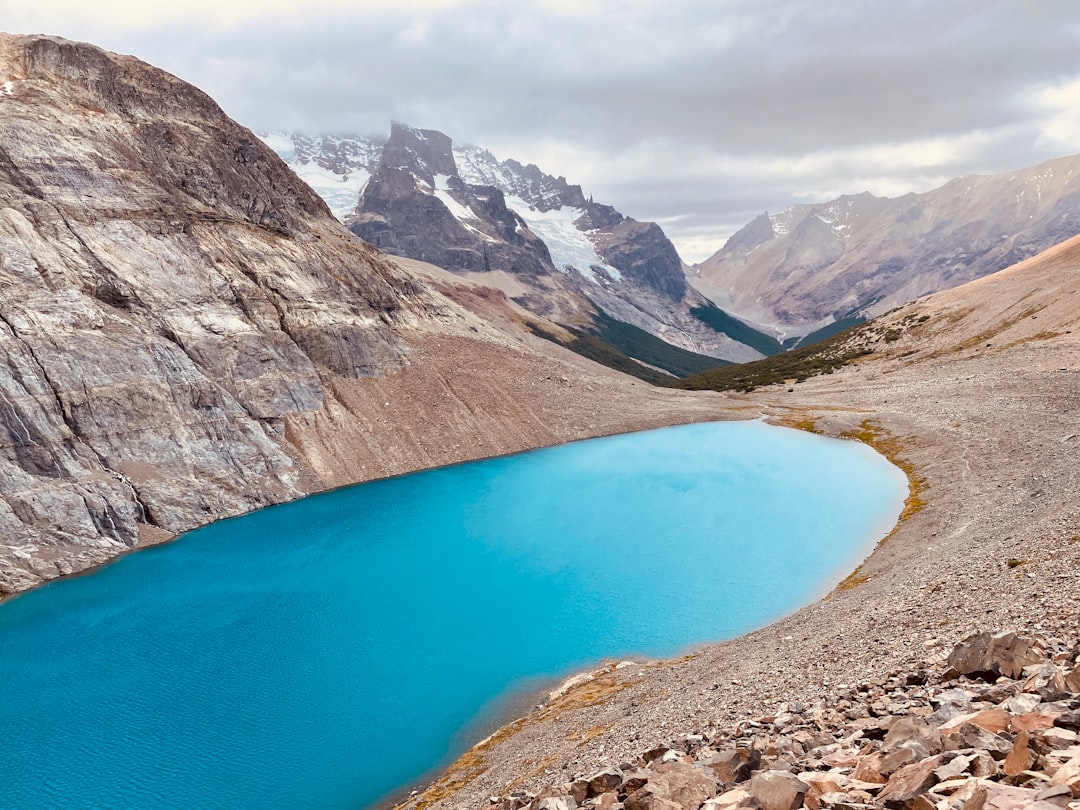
(811, 264)
(169, 292)
(463, 209)
(415, 205)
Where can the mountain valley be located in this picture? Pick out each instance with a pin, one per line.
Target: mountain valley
(187, 333)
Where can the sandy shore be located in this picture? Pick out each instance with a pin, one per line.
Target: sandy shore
(993, 438)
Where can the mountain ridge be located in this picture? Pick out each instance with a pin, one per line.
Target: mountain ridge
(462, 208)
(812, 264)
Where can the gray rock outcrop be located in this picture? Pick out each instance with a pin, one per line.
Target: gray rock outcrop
(169, 294)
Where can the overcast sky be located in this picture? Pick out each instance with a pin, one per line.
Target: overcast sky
(698, 114)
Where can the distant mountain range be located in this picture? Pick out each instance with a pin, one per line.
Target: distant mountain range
(557, 252)
(783, 279)
(810, 266)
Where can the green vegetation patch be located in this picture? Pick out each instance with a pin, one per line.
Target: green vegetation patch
(725, 324)
(852, 580)
(873, 434)
(798, 364)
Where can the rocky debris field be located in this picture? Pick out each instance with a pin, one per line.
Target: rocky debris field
(993, 725)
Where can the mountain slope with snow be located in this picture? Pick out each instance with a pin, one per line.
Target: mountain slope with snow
(461, 208)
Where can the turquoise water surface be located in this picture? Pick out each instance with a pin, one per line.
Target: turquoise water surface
(326, 652)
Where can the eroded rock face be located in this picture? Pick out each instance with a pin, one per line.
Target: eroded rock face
(405, 219)
(420, 204)
(169, 293)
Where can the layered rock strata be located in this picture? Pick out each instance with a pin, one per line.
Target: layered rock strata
(170, 294)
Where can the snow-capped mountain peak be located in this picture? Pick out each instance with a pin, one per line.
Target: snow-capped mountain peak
(418, 195)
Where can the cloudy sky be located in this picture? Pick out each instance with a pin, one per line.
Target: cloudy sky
(698, 114)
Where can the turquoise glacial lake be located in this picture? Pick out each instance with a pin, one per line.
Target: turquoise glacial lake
(330, 651)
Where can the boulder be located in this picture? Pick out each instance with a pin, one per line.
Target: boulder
(1072, 680)
(634, 780)
(989, 655)
(579, 789)
(983, 765)
(1069, 776)
(778, 790)
(971, 796)
(555, 803)
(1020, 758)
(1057, 795)
(846, 800)
(909, 782)
(820, 784)
(655, 753)
(957, 766)
(1033, 721)
(732, 765)
(1006, 797)
(1047, 681)
(910, 739)
(674, 784)
(606, 801)
(968, 735)
(1069, 720)
(607, 781)
(993, 720)
(868, 769)
(729, 800)
(1021, 704)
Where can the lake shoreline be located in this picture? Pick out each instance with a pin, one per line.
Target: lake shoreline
(442, 598)
(534, 700)
(989, 440)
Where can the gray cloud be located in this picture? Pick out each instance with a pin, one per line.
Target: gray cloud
(699, 113)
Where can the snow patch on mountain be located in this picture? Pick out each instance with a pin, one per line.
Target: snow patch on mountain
(478, 167)
(838, 216)
(339, 191)
(442, 194)
(570, 248)
(781, 221)
(335, 167)
(281, 143)
(462, 213)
